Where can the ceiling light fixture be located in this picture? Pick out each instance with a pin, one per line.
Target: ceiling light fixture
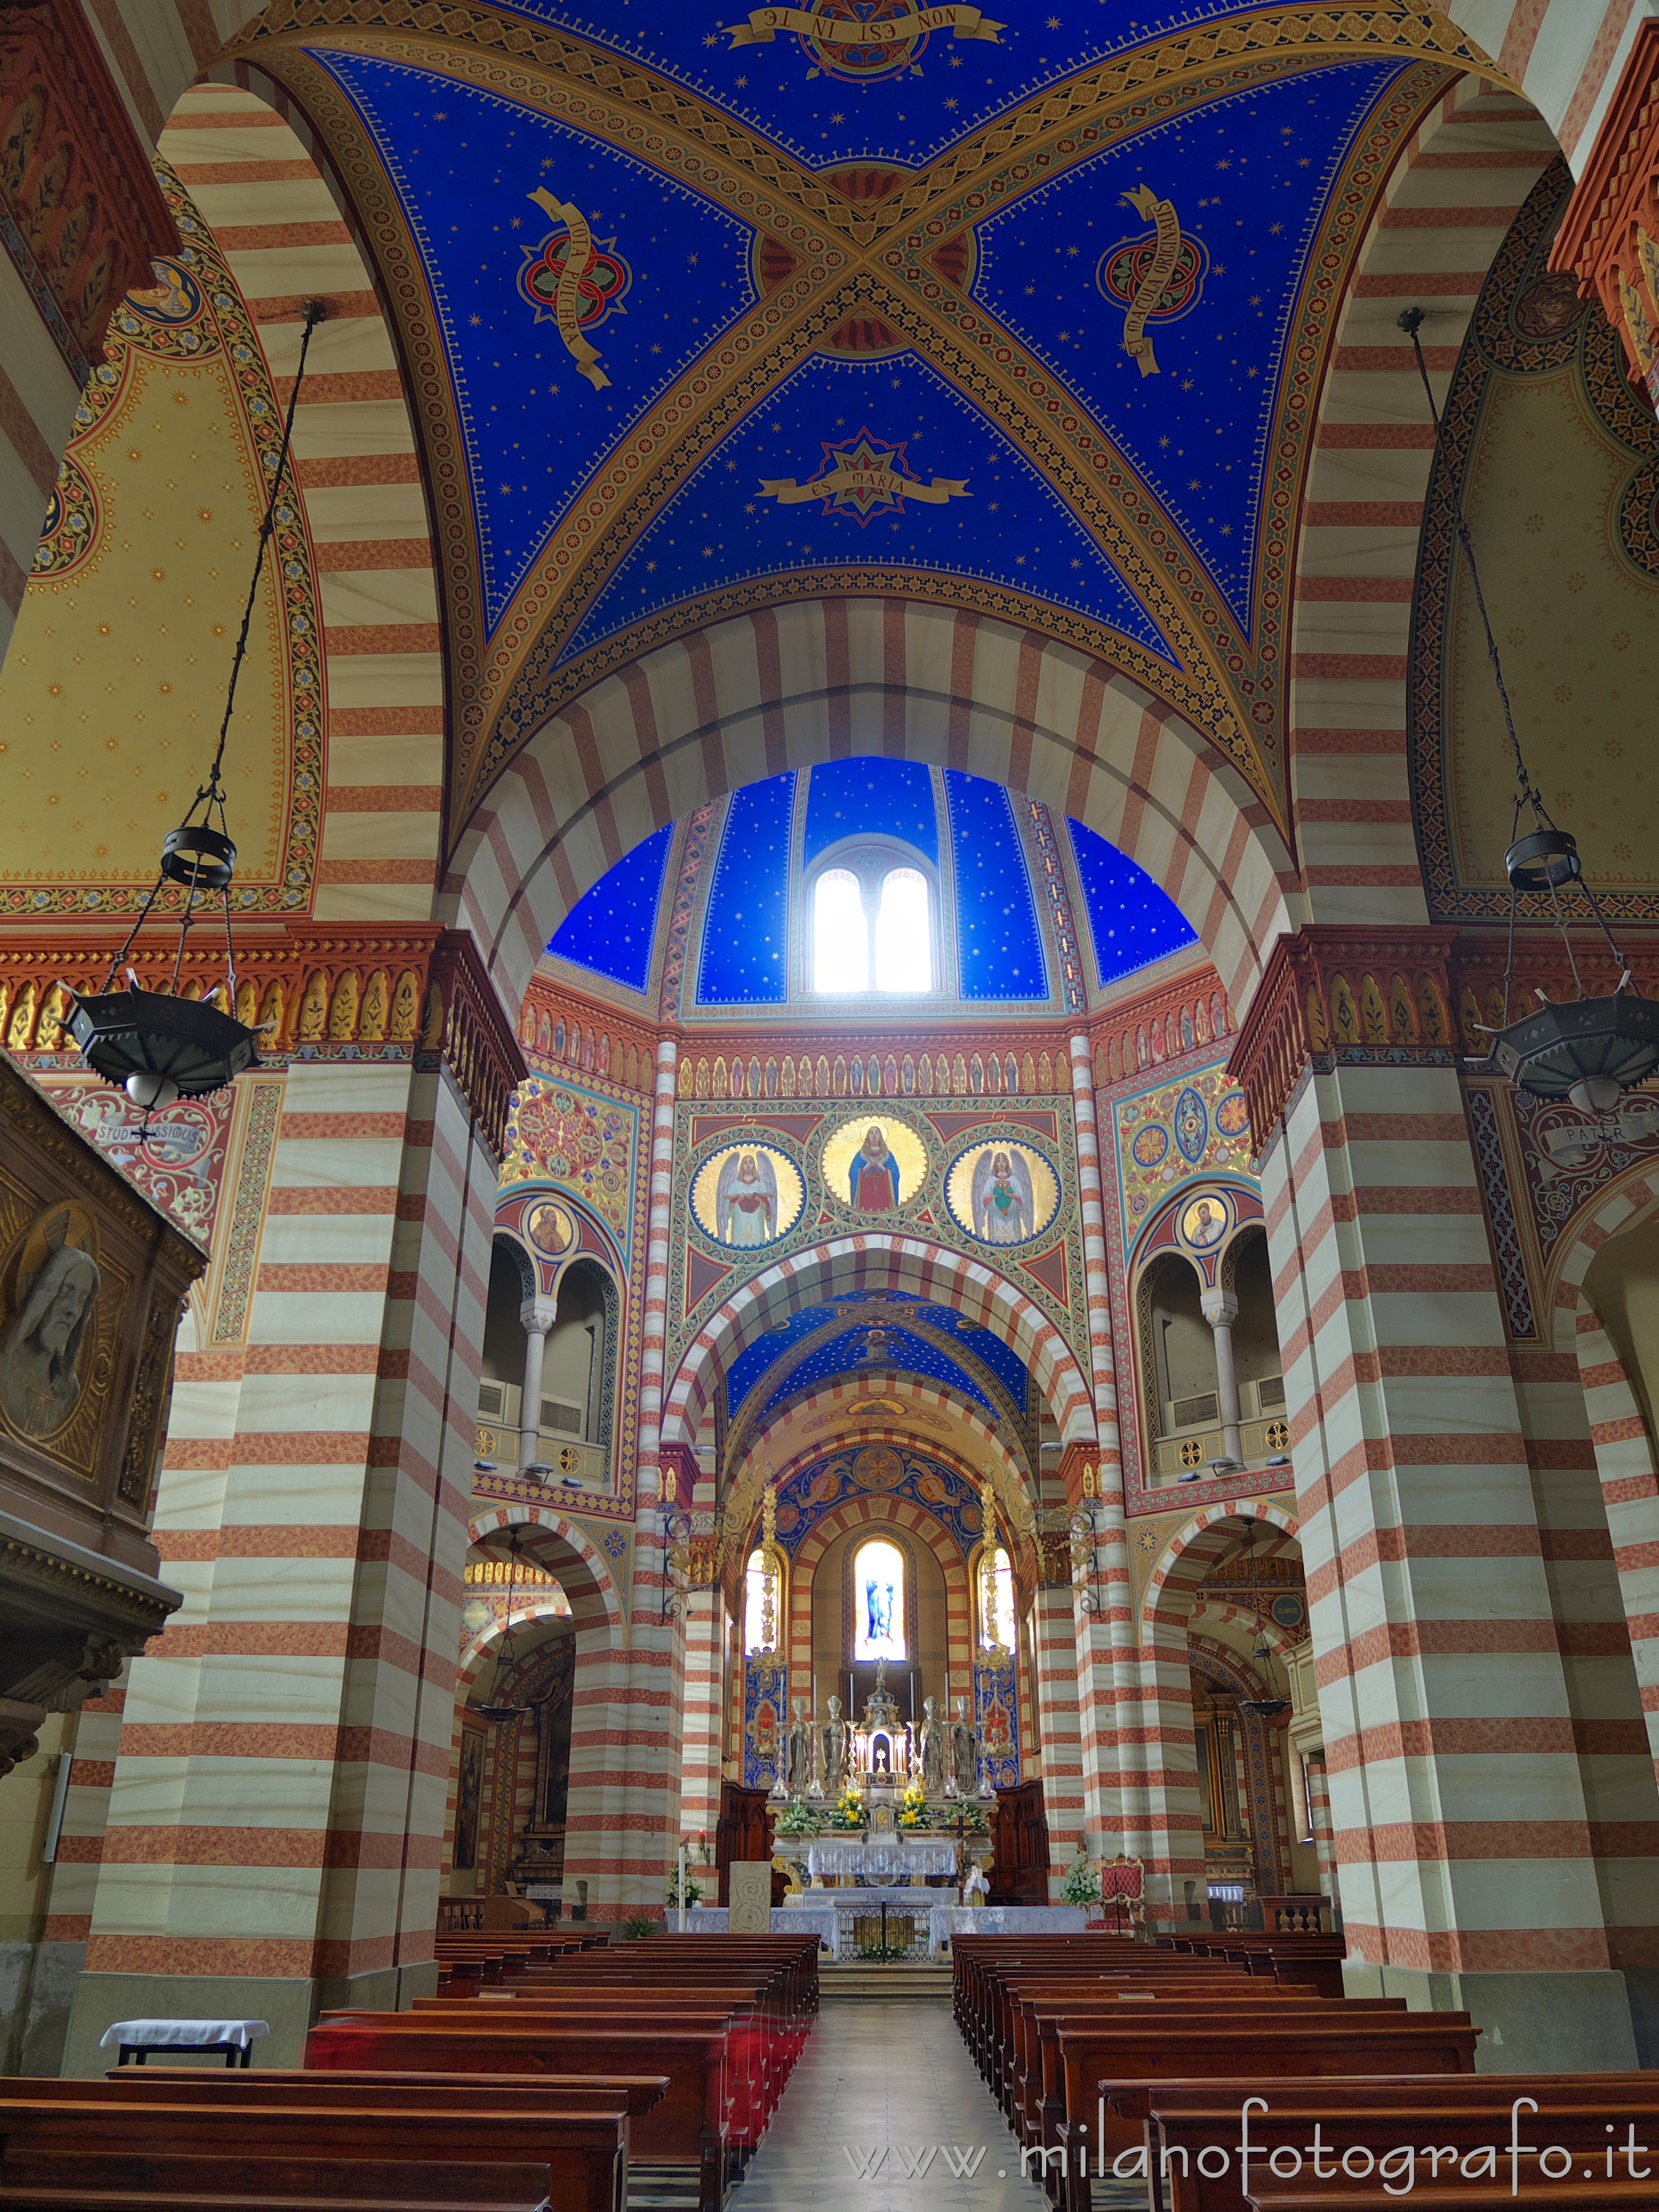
(1592, 1049)
(157, 1045)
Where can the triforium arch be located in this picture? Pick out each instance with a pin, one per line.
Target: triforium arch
(799, 684)
(878, 1261)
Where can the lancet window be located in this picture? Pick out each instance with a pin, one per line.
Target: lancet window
(878, 1602)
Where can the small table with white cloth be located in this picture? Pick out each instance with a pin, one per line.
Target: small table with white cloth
(786, 1920)
(138, 2037)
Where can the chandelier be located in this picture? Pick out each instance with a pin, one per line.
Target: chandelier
(507, 1655)
(1591, 1049)
(156, 1045)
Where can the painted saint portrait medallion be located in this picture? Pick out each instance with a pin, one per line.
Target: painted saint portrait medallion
(1002, 1193)
(747, 1196)
(874, 1164)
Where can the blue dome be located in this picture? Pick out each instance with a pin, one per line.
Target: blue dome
(1023, 917)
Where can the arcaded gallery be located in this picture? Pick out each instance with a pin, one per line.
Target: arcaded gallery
(830, 1206)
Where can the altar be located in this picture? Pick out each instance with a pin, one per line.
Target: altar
(880, 1860)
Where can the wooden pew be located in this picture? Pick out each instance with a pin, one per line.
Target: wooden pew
(1459, 2114)
(125, 2150)
(690, 2129)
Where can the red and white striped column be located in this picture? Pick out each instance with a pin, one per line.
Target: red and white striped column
(1462, 1830)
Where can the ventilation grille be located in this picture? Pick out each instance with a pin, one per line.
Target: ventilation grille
(555, 1414)
(491, 1400)
(1193, 1412)
(1270, 1391)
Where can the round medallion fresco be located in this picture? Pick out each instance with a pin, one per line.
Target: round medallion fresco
(1203, 1221)
(1151, 1145)
(879, 1466)
(874, 1164)
(1232, 1116)
(550, 1227)
(747, 1196)
(1289, 1611)
(1002, 1193)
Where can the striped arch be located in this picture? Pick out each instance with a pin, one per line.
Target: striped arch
(249, 162)
(1565, 55)
(876, 1513)
(1624, 1198)
(784, 687)
(871, 1262)
(550, 1540)
(1172, 1587)
(1624, 1462)
(1455, 189)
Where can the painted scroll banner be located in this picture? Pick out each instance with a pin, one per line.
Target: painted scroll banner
(765, 23)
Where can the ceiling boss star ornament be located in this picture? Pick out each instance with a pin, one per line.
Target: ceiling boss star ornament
(861, 40)
(574, 282)
(865, 477)
(1158, 277)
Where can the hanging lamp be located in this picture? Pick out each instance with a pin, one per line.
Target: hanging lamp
(155, 1045)
(500, 1708)
(1591, 1049)
(1270, 1707)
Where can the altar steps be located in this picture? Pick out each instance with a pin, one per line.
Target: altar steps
(885, 1979)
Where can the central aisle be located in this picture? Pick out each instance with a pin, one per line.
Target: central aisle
(893, 2078)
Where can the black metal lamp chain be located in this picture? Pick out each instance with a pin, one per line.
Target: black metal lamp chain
(1527, 792)
(210, 795)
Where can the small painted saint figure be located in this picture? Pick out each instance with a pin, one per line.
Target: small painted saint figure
(874, 1176)
(747, 1201)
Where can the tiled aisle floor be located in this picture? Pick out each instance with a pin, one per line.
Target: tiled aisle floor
(896, 2075)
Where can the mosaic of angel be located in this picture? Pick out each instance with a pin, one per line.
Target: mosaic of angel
(1005, 1206)
(747, 1200)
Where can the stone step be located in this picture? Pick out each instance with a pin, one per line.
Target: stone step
(884, 1979)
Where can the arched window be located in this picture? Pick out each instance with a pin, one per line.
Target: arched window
(755, 1638)
(873, 928)
(878, 1602)
(1000, 1628)
(841, 938)
(904, 942)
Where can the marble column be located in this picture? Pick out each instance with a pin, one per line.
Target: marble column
(537, 1316)
(1220, 1310)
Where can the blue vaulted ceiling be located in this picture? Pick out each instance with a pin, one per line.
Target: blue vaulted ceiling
(749, 903)
(904, 1351)
(888, 314)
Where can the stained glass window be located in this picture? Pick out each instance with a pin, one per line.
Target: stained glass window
(878, 1602)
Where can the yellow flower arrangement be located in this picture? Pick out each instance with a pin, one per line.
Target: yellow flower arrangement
(913, 1806)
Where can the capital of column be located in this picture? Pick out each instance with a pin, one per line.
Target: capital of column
(1219, 1308)
(537, 1315)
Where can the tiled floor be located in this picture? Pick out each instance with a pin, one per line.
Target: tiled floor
(894, 2079)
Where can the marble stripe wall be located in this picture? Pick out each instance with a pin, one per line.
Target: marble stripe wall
(278, 1797)
(1064, 1802)
(700, 1754)
(249, 171)
(1458, 1805)
(1629, 1487)
(601, 777)
(1448, 202)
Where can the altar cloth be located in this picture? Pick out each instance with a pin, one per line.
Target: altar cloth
(850, 1855)
(786, 1920)
(945, 1921)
